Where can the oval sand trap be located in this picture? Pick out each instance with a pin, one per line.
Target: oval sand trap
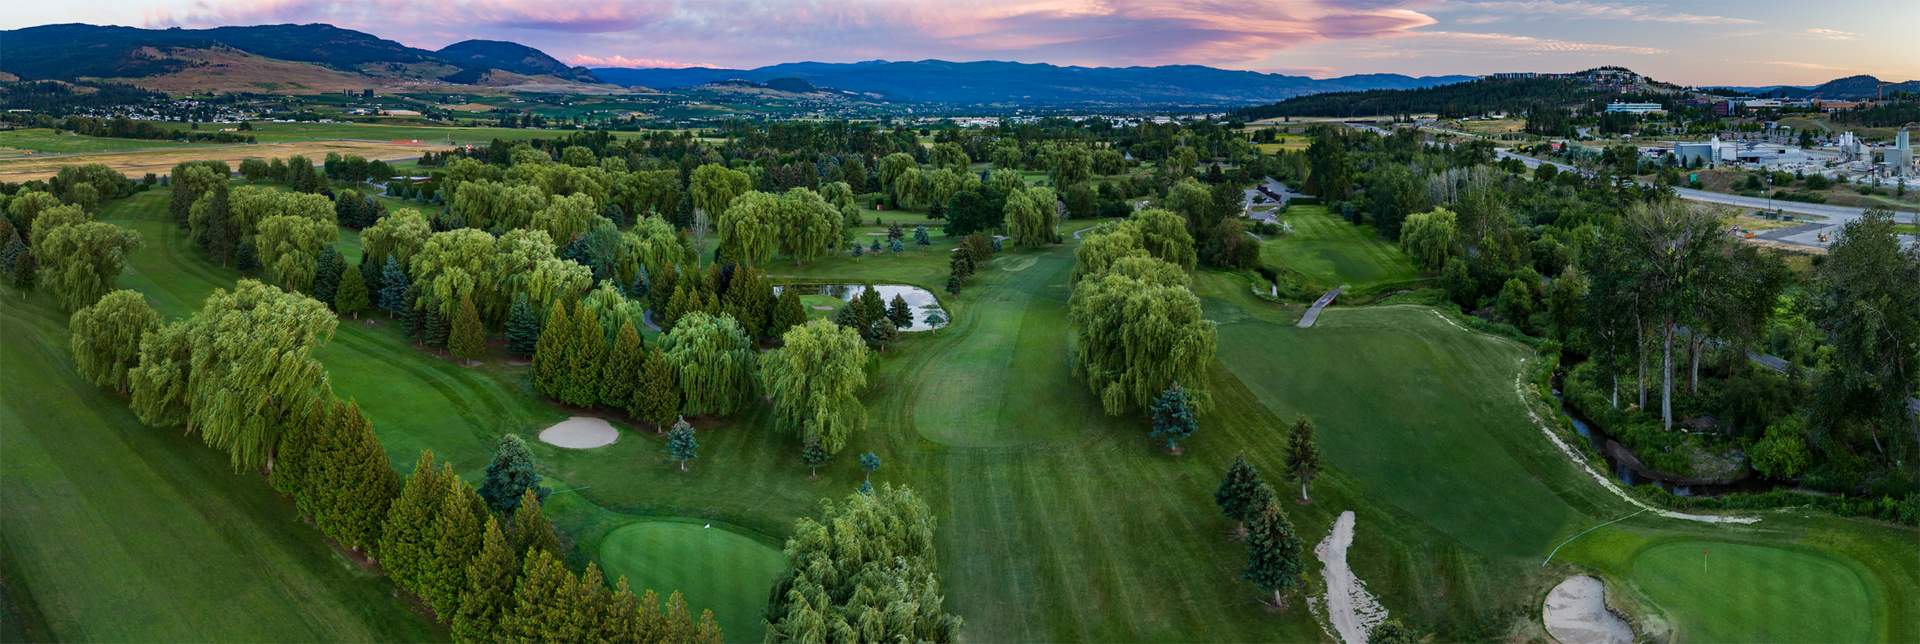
(580, 432)
(1576, 613)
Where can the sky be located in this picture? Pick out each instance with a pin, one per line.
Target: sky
(1694, 42)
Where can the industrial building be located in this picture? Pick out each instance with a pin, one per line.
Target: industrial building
(1698, 155)
(1635, 108)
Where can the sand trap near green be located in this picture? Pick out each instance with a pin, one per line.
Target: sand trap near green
(714, 567)
(1728, 592)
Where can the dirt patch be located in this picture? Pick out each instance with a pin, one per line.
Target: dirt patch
(1576, 613)
(1353, 611)
(580, 432)
(134, 164)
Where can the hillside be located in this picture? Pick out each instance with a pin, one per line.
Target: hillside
(1039, 84)
(1504, 93)
(271, 58)
(1848, 88)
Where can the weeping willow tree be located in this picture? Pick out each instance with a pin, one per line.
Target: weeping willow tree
(714, 361)
(815, 380)
(237, 371)
(1138, 330)
(864, 571)
(748, 228)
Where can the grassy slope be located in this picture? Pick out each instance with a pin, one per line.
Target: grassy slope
(1058, 522)
(117, 531)
(1330, 252)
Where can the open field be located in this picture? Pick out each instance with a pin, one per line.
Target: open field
(1329, 252)
(1055, 522)
(32, 141)
(134, 164)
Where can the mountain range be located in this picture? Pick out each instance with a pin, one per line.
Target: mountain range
(1851, 87)
(1036, 84)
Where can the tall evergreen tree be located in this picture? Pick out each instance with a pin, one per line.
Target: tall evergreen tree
(1273, 553)
(469, 338)
(489, 593)
(1238, 490)
(523, 328)
(681, 444)
(788, 312)
(543, 609)
(327, 269)
(394, 288)
(899, 312)
(1303, 456)
(1173, 417)
(531, 531)
(407, 540)
(439, 328)
(550, 368)
(586, 355)
(623, 368)
(351, 297)
(656, 395)
(457, 540)
(360, 484)
(510, 476)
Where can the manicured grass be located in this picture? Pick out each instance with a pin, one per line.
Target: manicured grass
(120, 532)
(1731, 592)
(1330, 252)
(1055, 521)
(711, 565)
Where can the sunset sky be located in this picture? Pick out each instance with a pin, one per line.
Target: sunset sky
(1691, 42)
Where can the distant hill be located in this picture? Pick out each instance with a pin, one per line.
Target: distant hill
(1849, 88)
(1500, 93)
(510, 56)
(269, 58)
(1034, 84)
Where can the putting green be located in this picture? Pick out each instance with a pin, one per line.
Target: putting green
(1731, 592)
(714, 567)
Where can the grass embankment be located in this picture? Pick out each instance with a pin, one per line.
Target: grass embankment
(1055, 521)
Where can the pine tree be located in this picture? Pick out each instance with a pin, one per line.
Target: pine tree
(1303, 456)
(656, 396)
(881, 332)
(489, 592)
(593, 605)
(1238, 489)
(543, 603)
(678, 306)
(327, 269)
(469, 339)
(814, 456)
(531, 531)
(439, 328)
(899, 312)
(681, 444)
(920, 236)
(351, 297)
(510, 475)
(296, 452)
(623, 368)
(245, 258)
(787, 312)
(359, 483)
(871, 463)
(871, 306)
(523, 328)
(1173, 417)
(586, 356)
(407, 540)
(395, 288)
(457, 540)
(1273, 553)
(550, 369)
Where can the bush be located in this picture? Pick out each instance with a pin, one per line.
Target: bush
(1904, 510)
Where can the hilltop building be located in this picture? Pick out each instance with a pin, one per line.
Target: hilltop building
(1636, 108)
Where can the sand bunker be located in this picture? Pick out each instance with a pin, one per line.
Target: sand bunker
(580, 432)
(1576, 613)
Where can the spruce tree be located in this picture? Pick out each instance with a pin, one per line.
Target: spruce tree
(523, 328)
(327, 269)
(1303, 456)
(468, 340)
(814, 456)
(623, 368)
(395, 288)
(510, 475)
(406, 541)
(1273, 553)
(871, 306)
(439, 328)
(1173, 417)
(593, 605)
(899, 312)
(788, 312)
(870, 462)
(457, 540)
(681, 445)
(294, 455)
(1238, 490)
(656, 397)
(351, 297)
(586, 355)
(550, 374)
(531, 531)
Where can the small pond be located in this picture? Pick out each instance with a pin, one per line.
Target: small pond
(921, 302)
